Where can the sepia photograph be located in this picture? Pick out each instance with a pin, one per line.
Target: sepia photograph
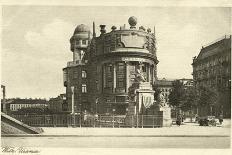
(116, 77)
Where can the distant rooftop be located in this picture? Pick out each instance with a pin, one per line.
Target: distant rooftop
(217, 40)
(164, 82)
(214, 47)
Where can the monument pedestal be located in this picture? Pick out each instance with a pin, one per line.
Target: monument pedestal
(167, 120)
(142, 111)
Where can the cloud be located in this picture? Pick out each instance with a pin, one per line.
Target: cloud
(37, 70)
(52, 41)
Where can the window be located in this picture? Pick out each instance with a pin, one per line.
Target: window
(84, 42)
(84, 89)
(97, 85)
(120, 75)
(109, 76)
(75, 74)
(83, 74)
(77, 42)
(144, 68)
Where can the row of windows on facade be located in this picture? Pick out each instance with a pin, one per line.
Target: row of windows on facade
(15, 107)
(117, 99)
(213, 82)
(81, 42)
(83, 74)
(212, 62)
(165, 89)
(120, 72)
(165, 94)
(212, 72)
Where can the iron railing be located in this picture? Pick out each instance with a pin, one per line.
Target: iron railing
(110, 121)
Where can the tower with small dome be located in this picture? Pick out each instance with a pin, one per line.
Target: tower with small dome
(79, 42)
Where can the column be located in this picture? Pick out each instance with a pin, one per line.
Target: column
(148, 72)
(127, 76)
(72, 88)
(152, 74)
(114, 76)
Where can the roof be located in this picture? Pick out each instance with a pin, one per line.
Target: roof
(214, 48)
(163, 83)
(26, 101)
(81, 28)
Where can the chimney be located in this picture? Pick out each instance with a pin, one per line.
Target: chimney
(103, 30)
(94, 33)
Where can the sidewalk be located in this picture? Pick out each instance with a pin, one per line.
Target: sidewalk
(186, 129)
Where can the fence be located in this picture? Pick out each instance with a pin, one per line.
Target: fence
(110, 121)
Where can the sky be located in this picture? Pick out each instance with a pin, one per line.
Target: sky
(35, 40)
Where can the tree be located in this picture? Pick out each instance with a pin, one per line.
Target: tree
(208, 99)
(208, 96)
(176, 96)
(184, 98)
(190, 99)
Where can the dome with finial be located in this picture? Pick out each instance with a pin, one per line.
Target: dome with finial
(81, 28)
(132, 21)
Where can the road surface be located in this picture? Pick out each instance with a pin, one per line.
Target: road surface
(118, 142)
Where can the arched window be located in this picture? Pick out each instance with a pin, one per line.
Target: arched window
(83, 74)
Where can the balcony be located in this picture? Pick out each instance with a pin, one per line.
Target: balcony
(74, 63)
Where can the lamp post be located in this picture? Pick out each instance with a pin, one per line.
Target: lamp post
(80, 115)
(73, 111)
(96, 102)
(4, 99)
(113, 117)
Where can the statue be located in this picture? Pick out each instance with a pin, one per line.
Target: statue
(161, 100)
(139, 76)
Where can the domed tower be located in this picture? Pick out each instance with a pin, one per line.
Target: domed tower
(79, 42)
(75, 74)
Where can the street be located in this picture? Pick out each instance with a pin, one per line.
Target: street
(188, 135)
(118, 142)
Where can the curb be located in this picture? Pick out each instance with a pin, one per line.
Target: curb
(39, 135)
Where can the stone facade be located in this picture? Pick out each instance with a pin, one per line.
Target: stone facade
(212, 68)
(110, 61)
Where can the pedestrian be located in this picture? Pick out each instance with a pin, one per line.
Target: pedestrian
(220, 119)
(196, 118)
(179, 120)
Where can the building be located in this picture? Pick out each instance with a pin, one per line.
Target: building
(165, 87)
(212, 68)
(58, 104)
(75, 74)
(16, 104)
(187, 83)
(104, 67)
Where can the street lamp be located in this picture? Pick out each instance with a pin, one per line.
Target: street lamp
(113, 117)
(96, 102)
(80, 115)
(73, 111)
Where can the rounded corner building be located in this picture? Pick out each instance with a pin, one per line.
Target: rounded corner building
(104, 67)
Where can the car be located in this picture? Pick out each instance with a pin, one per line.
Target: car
(207, 121)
